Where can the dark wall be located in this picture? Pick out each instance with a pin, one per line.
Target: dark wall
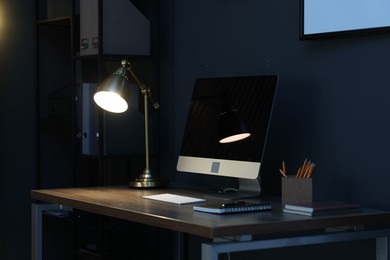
(17, 130)
(332, 101)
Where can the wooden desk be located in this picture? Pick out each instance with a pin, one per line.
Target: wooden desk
(228, 233)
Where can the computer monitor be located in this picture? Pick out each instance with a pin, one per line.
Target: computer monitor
(252, 97)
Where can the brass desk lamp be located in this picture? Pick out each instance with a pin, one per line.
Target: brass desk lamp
(112, 95)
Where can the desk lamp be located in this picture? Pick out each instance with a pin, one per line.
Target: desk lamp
(113, 95)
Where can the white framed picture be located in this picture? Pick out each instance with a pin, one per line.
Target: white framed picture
(335, 17)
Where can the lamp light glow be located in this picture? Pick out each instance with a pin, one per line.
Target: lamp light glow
(110, 101)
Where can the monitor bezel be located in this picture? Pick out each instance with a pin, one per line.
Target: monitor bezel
(241, 169)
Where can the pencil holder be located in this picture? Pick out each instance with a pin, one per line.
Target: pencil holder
(297, 190)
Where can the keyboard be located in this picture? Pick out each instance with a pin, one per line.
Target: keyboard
(174, 198)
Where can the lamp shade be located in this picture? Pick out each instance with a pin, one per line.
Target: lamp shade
(113, 93)
(231, 127)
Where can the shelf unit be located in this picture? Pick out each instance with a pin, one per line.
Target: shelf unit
(54, 81)
(78, 143)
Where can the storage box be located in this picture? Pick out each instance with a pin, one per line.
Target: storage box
(297, 190)
(58, 8)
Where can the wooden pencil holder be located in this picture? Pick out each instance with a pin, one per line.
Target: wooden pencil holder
(297, 190)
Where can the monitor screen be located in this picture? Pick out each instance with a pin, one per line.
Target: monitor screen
(252, 97)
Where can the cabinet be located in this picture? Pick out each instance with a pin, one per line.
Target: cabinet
(75, 51)
(109, 32)
(54, 88)
(79, 43)
(123, 29)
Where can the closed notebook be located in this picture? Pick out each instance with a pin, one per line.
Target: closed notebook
(321, 208)
(234, 207)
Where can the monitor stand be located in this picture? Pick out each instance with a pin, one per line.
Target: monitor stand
(247, 188)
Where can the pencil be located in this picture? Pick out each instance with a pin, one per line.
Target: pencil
(307, 170)
(298, 173)
(311, 170)
(282, 173)
(303, 168)
(308, 167)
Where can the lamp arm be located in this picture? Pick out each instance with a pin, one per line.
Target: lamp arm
(144, 90)
(147, 95)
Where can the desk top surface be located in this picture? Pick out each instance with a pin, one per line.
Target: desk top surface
(129, 204)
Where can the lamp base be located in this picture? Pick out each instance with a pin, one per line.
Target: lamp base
(146, 180)
(147, 183)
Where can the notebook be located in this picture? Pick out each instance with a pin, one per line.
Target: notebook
(233, 207)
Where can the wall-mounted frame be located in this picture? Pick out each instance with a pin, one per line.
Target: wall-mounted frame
(320, 18)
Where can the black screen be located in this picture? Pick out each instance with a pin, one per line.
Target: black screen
(251, 96)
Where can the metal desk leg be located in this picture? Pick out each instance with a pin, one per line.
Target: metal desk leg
(382, 248)
(179, 241)
(209, 253)
(36, 228)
